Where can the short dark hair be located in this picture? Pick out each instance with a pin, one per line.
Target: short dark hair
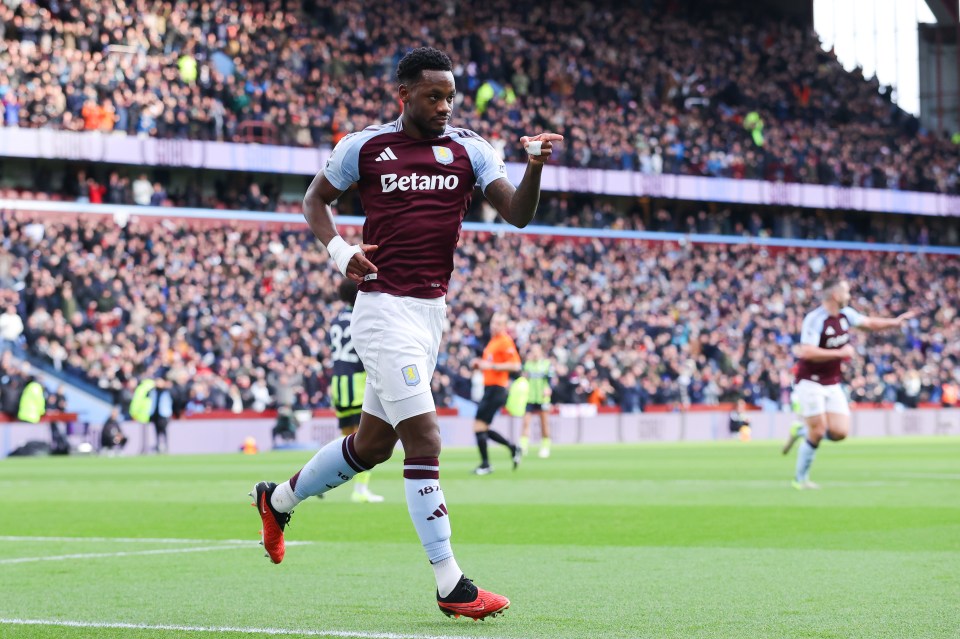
(829, 284)
(348, 292)
(419, 60)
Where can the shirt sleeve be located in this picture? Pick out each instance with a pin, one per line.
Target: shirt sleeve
(487, 165)
(343, 166)
(811, 329)
(855, 318)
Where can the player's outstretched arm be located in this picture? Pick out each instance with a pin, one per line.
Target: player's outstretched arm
(881, 323)
(518, 205)
(350, 259)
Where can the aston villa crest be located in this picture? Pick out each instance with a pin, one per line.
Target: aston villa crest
(443, 154)
(411, 376)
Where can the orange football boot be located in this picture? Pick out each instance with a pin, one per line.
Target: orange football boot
(469, 601)
(273, 520)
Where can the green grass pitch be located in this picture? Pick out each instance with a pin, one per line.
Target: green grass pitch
(679, 540)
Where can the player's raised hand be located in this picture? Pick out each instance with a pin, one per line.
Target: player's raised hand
(539, 148)
(906, 317)
(359, 265)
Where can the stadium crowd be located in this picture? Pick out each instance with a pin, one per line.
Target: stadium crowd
(242, 313)
(655, 86)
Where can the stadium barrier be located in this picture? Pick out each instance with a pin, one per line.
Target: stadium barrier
(225, 432)
(46, 419)
(14, 434)
(94, 146)
(210, 432)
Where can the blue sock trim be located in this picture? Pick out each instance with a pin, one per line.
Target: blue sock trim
(812, 445)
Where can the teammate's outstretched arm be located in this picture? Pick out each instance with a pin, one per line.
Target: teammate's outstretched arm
(350, 259)
(813, 353)
(518, 205)
(880, 323)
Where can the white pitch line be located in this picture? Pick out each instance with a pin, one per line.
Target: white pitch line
(759, 483)
(141, 540)
(100, 555)
(245, 631)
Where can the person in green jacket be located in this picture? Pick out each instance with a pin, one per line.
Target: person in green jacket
(33, 403)
(753, 123)
(538, 370)
(141, 403)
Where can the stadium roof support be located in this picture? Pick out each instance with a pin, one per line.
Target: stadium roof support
(939, 68)
(945, 11)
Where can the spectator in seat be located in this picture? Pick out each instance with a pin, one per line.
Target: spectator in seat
(739, 417)
(11, 328)
(142, 190)
(112, 439)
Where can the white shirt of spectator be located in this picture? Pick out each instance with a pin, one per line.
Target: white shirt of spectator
(11, 326)
(142, 190)
(35, 232)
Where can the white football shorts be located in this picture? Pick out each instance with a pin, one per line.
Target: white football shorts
(398, 339)
(817, 399)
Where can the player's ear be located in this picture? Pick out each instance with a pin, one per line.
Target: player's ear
(404, 93)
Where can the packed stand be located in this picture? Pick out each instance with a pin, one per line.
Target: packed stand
(556, 209)
(661, 86)
(704, 218)
(116, 185)
(243, 313)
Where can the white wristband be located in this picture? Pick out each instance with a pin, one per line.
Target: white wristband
(341, 252)
(534, 147)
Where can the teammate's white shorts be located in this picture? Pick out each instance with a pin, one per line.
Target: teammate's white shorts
(398, 339)
(817, 399)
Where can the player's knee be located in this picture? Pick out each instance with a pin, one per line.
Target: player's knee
(418, 443)
(381, 455)
(426, 446)
(836, 435)
(816, 430)
(374, 452)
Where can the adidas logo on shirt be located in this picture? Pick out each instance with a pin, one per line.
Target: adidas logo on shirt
(386, 155)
